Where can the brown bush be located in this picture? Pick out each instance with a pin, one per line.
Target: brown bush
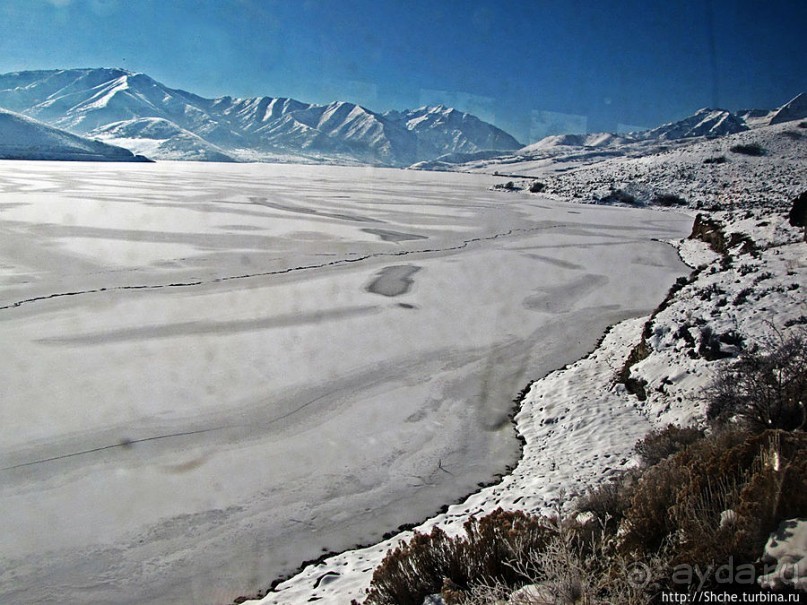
(776, 490)
(719, 499)
(609, 502)
(578, 565)
(649, 521)
(430, 562)
(663, 443)
(765, 389)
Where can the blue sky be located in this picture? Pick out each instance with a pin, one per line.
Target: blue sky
(529, 66)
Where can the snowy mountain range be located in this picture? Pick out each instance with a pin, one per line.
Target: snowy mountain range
(137, 112)
(565, 151)
(134, 111)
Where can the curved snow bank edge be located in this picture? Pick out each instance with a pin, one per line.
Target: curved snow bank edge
(577, 427)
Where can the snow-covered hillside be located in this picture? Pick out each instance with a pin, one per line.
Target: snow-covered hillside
(22, 138)
(795, 109)
(755, 166)
(98, 101)
(568, 152)
(597, 139)
(160, 138)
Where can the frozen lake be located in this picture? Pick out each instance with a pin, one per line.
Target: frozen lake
(213, 372)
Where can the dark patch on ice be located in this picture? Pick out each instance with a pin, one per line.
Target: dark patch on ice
(556, 262)
(240, 228)
(190, 328)
(185, 467)
(406, 306)
(260, 201)
(394, 236)
(393, 281)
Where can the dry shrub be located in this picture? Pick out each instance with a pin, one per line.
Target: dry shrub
(663, 443)
(776, 490)
(752, 149)
(579, 564)
(673, 485)
(428, 563)
(719, 499)
(610, 501)
(414, 570)
(648, 520)
(765, 389)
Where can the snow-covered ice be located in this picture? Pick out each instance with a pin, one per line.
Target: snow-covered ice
(215, 372)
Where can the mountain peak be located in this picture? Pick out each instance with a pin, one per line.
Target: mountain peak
(795, 109)
(706, 122)
(108, 72)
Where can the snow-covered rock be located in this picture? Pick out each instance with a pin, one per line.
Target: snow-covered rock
(535, 594)
(786, 552)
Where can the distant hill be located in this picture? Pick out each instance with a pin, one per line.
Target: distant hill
(161, 138)
(22, 138)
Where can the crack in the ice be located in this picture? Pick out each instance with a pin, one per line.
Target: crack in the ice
(286, 271)
(125, 443)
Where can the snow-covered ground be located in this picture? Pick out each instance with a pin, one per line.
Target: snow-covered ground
(580, 424)
(214, 372)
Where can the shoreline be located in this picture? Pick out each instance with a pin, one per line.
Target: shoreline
(518, 402)
(444, 515)
(316, 450)
(406, 531)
